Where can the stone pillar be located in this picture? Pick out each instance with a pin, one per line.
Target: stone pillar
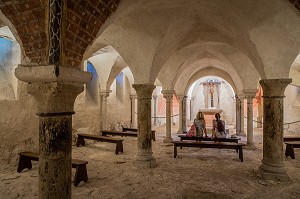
(155, 102)
(272, 166)
(238, 115)
(259, 116)
(144, 158)
(54, 92)
(182, 113)
(250, 119)
(168, 95)
(103, 102)
(192, 105)
(242, 132)
(133, 118)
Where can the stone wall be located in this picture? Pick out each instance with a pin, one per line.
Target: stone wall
(19, 126)
(292, 109)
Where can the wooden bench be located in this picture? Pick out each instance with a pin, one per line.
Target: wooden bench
(220, 145)
(126, 129)
(198, 138)
(291, 138)
(80, 166)
(82, 136)
(289, 150)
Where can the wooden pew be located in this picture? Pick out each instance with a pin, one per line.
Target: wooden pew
(80, 166)
(219, 145)
(198, 138)
(126, 129)
(291, 138)
(82, 136)
(289, 150)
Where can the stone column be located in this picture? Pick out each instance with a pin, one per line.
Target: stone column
(272, 166)
(250, 120)
(144, 158)
(103, 102)
(182, 113)
(133, 118)
(238, 115)
(192, 105)
(54, 92)
(155, 98)
(259, 116)
(242, 132)
(168, 94)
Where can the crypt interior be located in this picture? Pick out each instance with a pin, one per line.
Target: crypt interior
(82, 66)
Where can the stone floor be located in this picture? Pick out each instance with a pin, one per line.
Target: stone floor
(196, 173)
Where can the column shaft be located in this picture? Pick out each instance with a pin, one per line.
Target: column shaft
(155, 97)
(144, 158)
(55, 146)
(242, 132)
(133, 118)
(272, 166)
(180, 99)
(250, 120)
(238, 115)
(184, 114)
(168, 95)
(103, 102)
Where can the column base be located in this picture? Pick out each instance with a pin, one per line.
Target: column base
(250, 146)
(242, 133)
(141, 164)
(168, 140)
(133, 126)
(273, 172)
(180, 132)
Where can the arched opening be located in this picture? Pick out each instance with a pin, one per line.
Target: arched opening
(92, 87)
(211, 95)
(10, 57)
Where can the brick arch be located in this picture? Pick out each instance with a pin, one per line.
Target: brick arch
(82, 20)
(28, 18)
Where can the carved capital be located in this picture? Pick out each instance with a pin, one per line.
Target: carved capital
(274, 87)
(54, 98)
(144, 91)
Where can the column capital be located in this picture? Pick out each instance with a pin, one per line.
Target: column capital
(133, 96)
(54, 98)
(181, 97)
(274, 87)
(168, 94)
(105, 93)
(248, 93)
(54, 88)
(143, 90)
(51, 73)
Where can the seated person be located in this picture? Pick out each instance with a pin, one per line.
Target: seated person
(200, 125)
(218, 130)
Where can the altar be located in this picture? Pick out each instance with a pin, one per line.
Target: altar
(209, 115)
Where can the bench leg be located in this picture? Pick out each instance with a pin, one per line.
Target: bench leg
(289, 151)
(175, 150)
(80, 141)
(119, 148)
(24, 162)
(241, 153)
(153, 136)
(80, 175)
